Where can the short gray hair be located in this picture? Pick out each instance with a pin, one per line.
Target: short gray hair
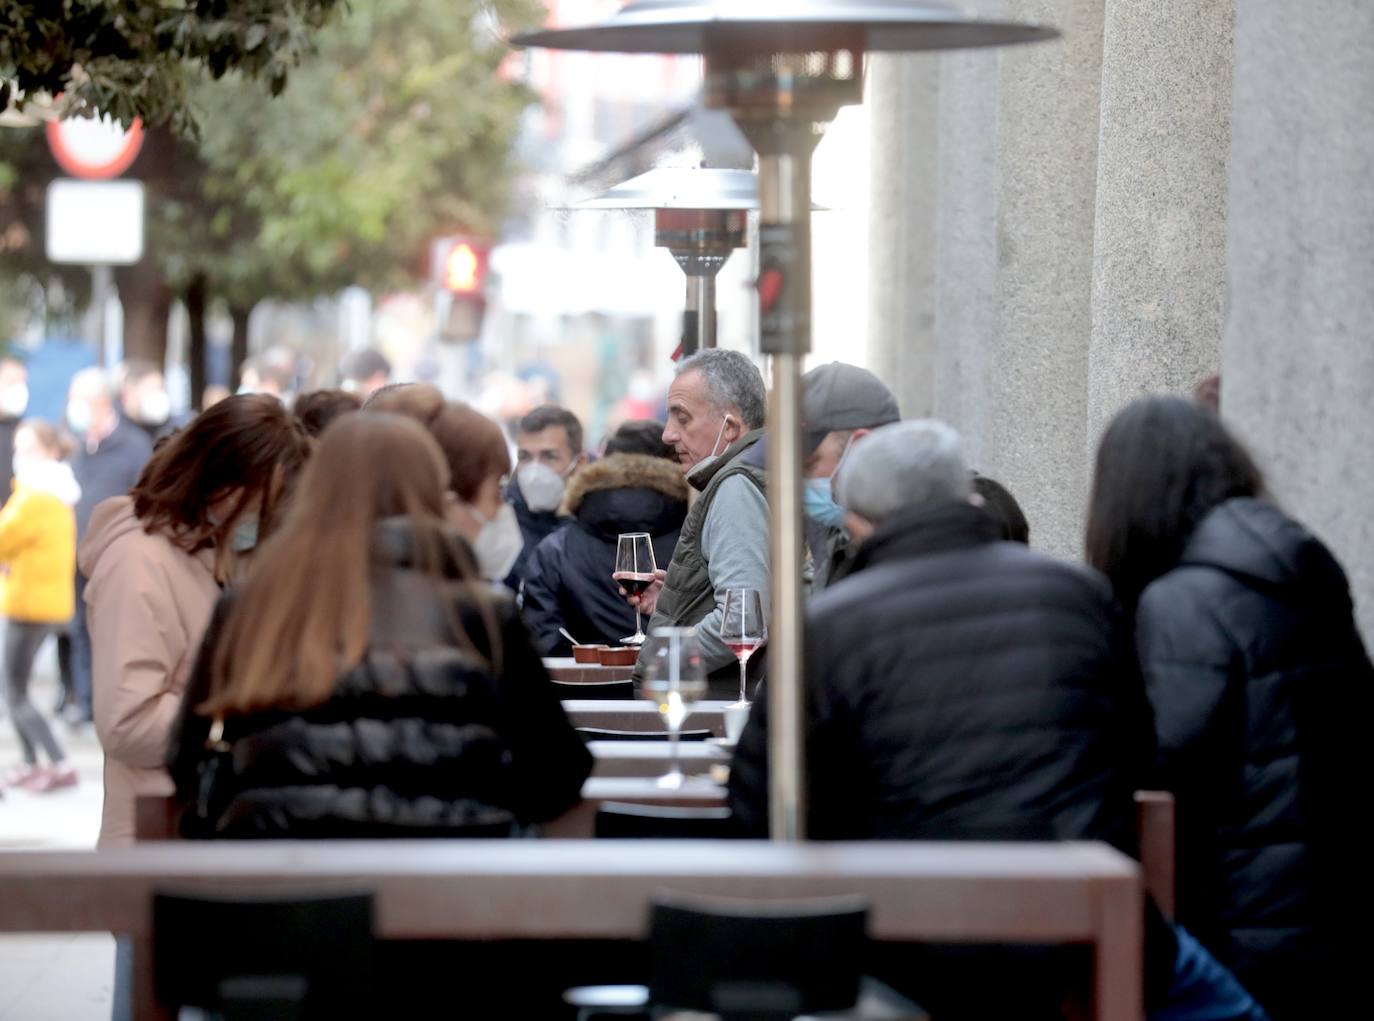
(903, 465)
(731, 381)
(93, 382)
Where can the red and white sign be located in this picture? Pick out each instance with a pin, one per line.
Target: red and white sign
(94, 149)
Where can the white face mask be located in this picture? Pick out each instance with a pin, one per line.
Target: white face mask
(697, 475)
(154, 407)
(541, 486)
(499, 543)
(26, 464)
(79, 416)
(14, 400)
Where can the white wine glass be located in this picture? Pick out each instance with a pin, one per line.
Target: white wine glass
(674, 681)
(635, 572)
(743, 628)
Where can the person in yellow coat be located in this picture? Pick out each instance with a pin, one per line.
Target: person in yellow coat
(37, 558)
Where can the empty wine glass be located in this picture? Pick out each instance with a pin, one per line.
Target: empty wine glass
(635, 571)
(743, 628)
(674, 680)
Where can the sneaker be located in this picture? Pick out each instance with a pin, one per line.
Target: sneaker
(54, 779)
(21, 776)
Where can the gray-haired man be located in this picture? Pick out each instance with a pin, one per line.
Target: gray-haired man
(962, 687)
(715, 415)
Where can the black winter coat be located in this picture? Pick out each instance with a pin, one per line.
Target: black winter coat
(568, 578)
(1262, 690)
(962, 688)
(420, 739)
(965, 688)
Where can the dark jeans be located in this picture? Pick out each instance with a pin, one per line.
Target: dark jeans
(81, 651)
(22, 640)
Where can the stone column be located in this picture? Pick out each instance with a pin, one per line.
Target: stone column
(902, 99)
(1163, 162)
(1018, 173)
(1298, 349)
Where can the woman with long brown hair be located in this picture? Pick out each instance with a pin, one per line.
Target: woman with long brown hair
(156, 560)
(364, 680)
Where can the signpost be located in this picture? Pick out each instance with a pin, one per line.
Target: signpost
(92, 220)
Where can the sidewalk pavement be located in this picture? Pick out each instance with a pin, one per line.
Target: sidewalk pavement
(54, 976)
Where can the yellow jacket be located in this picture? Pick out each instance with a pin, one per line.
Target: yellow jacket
(38, 547)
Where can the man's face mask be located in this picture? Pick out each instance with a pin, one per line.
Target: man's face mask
(697, 476)
(541, 486)
(14, 400)
(818, 495)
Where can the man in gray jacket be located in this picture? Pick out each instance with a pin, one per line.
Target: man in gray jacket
(716, 413)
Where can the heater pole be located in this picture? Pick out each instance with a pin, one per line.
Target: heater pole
(785, 335)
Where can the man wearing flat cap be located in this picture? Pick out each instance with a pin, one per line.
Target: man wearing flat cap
(841, 404)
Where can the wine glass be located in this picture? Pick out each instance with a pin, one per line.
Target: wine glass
(743, 628)
(674, 681)
(635, 572)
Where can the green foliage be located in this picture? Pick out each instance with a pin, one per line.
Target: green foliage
(133, 58)
(397, 130)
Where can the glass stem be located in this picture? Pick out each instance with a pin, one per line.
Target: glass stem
(639, 630)
(743, 692)
(675, 767)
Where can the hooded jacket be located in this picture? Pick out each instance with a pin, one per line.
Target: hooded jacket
(421, 738)
(147, 606)
(568, 577)
(1261, 690)
(38, 545)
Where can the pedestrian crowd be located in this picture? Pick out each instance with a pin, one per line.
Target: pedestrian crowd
(328, 619)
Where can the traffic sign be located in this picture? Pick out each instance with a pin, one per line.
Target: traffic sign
(94, 149)
(93, 223)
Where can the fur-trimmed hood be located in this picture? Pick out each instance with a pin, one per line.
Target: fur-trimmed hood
(627, 493)
(624, 471)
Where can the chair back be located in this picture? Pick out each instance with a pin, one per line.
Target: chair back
(619, 821)
(595, 689)
(756, 959)
(602, 734)
(285, 957)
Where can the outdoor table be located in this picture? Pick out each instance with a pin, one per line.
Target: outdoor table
(640, 715)
(651, 758)
(568, 670)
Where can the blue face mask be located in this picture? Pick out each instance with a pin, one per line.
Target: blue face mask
(819, 503)
(245, 536)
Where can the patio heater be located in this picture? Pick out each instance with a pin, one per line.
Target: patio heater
(783, 68)
(701, 216)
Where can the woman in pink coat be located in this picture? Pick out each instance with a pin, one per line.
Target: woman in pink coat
(155, 561)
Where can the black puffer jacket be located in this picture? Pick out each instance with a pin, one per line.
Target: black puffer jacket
(965, 688)
(962, 688)
(419, 739)
(568, 578)
(1262, 697)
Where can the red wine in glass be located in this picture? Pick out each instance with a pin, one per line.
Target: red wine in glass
(635, 572)
(635, 584)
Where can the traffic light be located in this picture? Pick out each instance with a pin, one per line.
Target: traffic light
(458, 266)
